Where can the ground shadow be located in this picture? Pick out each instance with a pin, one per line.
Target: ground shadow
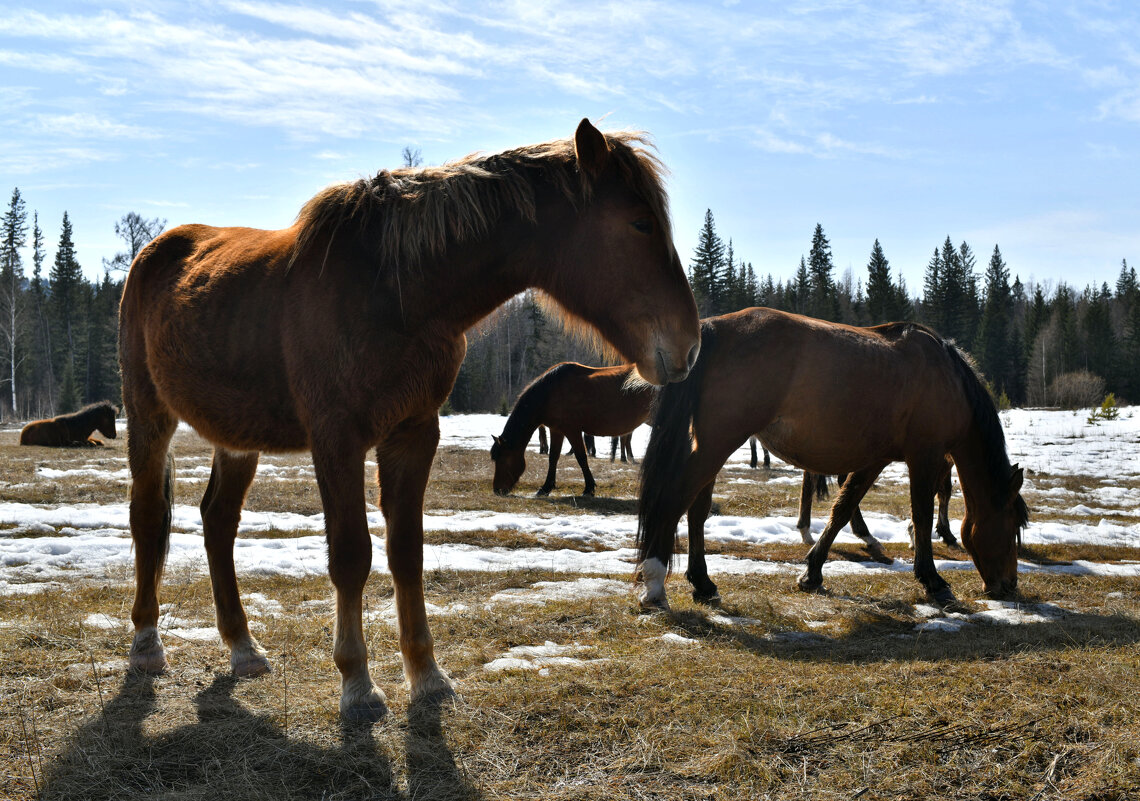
(886, 631)
(623, 506)
(232, 753)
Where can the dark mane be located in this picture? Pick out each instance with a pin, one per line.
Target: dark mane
(403, 214)
(532, 400)
(88, 411)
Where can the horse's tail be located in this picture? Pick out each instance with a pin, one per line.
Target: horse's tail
(168, 516)
(660, 503)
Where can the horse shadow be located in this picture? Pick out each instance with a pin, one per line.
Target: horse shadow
(231, 752)
(603, 504)
(884, 634)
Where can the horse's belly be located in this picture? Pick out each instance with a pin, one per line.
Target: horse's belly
(827, 452)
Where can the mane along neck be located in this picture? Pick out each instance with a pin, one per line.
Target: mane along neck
(531, 407)
(406, 214)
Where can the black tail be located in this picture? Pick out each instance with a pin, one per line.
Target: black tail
(661, 501)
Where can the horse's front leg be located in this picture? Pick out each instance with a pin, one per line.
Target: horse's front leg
(230, 477)
(338, 461)
(924, 475)
(807, 489)
(578, 446)
(404, 460)
(552, 467)
(852, 491)
(704, 590)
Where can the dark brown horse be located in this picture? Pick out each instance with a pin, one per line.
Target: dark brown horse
(73, 430)
(831, 399)
(625, 441)
(344, 333)
(569, 398)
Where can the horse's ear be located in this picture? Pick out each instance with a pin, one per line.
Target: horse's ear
(497, 440)
(591, 148)
(1015, 480)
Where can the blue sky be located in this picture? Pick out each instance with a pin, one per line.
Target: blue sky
(1015, 123)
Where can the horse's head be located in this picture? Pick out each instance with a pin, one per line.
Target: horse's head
(615, 266)
(106, 424)
(992, 534)
(509, 466)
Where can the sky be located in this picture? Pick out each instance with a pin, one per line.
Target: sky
(1014, 124)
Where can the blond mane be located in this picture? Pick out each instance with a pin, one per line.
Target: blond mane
(404, 214)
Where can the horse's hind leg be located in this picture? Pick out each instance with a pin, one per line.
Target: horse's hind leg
(152, 499)
(943, 526)
(230, 478)
(704, 590)
(627, 449)
(852, 491)
(924, 475)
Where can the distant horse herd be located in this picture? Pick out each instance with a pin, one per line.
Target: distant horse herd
(343, 334)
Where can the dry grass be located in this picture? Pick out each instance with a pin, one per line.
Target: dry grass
(776, 695)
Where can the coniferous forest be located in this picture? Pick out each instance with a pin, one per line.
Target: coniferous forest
(1037, 344)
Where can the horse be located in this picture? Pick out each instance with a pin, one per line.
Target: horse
(754, 462)
(832, 399)
(817, 485)
(73, 430)
(569, 398)
(344, 333)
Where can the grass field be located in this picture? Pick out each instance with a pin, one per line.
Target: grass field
(566, 692)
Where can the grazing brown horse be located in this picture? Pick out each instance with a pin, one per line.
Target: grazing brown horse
(344, 333)
(569, 398)
(73, 430)
(831, 399)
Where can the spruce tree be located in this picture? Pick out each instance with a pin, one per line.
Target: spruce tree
(707, 267)
(932, 293)
(66, 302)
(822, 300)
(995, 356)
(799, 292)
(42, 374)
(881, 293)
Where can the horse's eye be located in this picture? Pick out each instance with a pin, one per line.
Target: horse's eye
(643, 226)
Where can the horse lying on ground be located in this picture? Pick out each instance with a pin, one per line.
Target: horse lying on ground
(344, 333)
(569, 398)
(73, 430)
(830, 399)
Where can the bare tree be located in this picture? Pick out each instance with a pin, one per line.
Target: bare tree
(136, 231)
(412, 157)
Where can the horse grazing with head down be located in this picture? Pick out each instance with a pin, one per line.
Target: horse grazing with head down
(73, 430)
(344, 333)
(831, 399)
(569, 398)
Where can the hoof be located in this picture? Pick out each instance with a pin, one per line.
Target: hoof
(434, 686)
(809, 583)
(805, 535)
(588, 493)
(543, 492)
(944, 598)
(877, 554)
(371, 707)
(147, 655)
(250, 667)
(648, 605)
(707, 598)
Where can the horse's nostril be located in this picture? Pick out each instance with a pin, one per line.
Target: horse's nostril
(693, 353)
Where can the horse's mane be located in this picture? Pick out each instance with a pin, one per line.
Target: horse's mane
(983, 409)
(524, 417)
(404, 214)
(87, 411)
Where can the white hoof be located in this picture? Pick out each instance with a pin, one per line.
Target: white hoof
(248, 660)
(652, 597)
(430, 684)
(362, 701)
(147, 654)
(805, 535)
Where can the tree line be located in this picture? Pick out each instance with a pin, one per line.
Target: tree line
(59, 331)
(1036, 343)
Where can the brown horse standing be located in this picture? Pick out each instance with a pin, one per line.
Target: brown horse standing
(569, 398)
(831, 399)
(344, 332)
(73, 430)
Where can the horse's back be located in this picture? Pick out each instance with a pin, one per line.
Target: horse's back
(596, 400)
(46, 433)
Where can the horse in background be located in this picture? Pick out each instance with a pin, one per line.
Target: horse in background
(569, 398)
(754, 462)
(831, 399)
(626, 443)
(343, 334)
(73, 430)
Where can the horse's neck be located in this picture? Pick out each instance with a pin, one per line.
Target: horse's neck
(974, 471)
(528, 415)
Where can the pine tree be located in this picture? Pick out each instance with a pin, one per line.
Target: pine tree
(43, 376)
(66, 302)
(707, 267)
(799, 292)
(995, 356)
(822, 299)
(881, 293)
(15, 232)
(932, 293)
